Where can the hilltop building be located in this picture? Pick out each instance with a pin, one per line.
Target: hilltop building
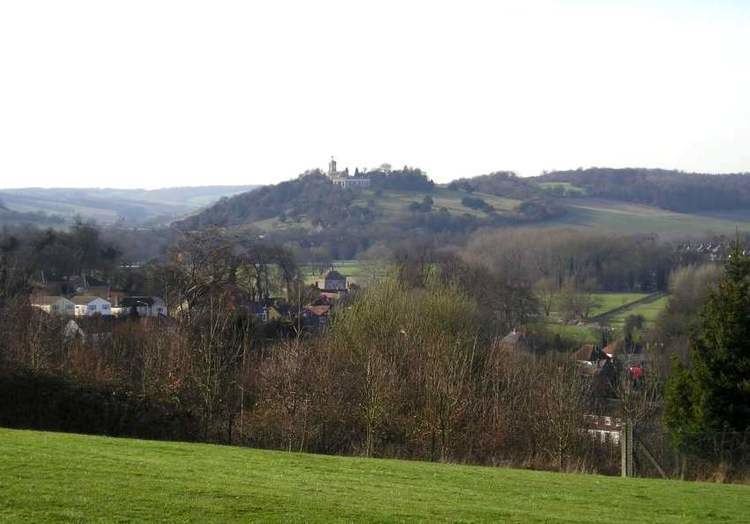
(342, 178)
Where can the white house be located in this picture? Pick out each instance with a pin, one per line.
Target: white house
(54, 305)
(89, 305)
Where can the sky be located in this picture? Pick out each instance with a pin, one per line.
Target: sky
(182, 93)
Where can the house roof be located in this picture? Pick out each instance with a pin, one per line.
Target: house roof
(334, 275)
(82, 300)
(589, 353)
(615, 348)
(46, 300)
(513, 338)
(318, 311)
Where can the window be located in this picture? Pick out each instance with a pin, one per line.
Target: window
(92, 307)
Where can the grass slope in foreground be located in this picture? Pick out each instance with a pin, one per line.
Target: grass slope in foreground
(53, 476)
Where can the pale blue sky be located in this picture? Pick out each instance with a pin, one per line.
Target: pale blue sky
(163, 93)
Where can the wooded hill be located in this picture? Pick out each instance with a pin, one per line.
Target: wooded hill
(406, 205)
(401, 205)
(667, 189)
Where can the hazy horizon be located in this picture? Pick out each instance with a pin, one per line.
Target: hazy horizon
(196, 186)
(149, 95)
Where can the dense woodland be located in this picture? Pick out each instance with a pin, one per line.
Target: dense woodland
(674, 190)
(501, 183)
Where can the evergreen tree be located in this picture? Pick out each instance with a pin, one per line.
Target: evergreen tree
(712, 396)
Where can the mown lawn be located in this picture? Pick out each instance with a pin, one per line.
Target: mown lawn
(63, 477)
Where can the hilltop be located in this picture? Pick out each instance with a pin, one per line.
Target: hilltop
(63, 477)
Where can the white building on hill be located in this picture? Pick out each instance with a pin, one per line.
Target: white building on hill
(342, 178)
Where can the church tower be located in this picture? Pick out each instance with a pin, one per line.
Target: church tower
(332, 168)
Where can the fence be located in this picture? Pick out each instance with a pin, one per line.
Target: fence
(648, 451)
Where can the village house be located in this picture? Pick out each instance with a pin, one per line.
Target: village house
(316, 317)
(515, 342)
(89, 305)
(604, 429)
(54, 305)
(141, 306)
(114, 296)
(332, 282)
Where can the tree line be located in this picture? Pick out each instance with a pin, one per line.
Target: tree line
(668, 189)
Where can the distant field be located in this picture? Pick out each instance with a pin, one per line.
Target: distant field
(359, 271)
(107, 206)
(649, 310)
(612, 310)
(609, 301)
(567, 188)
(605, 302)
(54, 477)
(610, 215)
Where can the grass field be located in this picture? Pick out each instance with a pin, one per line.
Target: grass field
(622, 217)
(567, 188)
(612, 309)
(359, 271)
(649, 310)
(608, 301)
(61, 477)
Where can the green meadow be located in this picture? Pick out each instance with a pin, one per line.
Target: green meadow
(599, 215)
(54, 477)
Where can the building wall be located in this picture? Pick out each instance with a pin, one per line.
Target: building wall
(351, 182)
(95, 307)
(333, 283)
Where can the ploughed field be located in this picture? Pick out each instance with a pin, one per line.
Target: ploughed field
(64, 477)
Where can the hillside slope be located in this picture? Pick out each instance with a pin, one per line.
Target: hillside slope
(63, 477)
(398, 200)
(107, 206)
(622, 217)
(323, 220)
